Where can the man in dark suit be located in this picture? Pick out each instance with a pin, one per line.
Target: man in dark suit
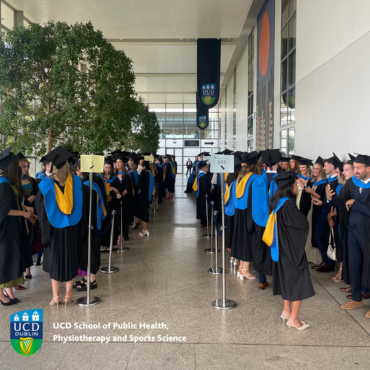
(189, 166)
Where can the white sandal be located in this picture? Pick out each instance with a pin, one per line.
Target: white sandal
(143, 233)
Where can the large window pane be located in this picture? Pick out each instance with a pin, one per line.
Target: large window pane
(284, 11)
(284, 42)
(292, 6)
(292, 33)
(291, 141)
(284, 75)
(291, 104)
(7, 16)
(291, 69)
(283, 110)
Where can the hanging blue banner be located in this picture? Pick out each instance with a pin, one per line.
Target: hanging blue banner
(208, 71)
(202, 115)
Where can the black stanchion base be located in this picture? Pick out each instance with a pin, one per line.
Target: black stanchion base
(229, 304)
(106, 270)
(83, 301)
(124, 249)
(211, 250)
(206, 236)
(215, 271)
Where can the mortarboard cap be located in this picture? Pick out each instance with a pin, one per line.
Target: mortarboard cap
(202, 164)
(20, 155)
(237, 164)
(352, 158)
(76, 154)
(270, 157)
(362, 159)
(305, 162)
(337, 162)
(58, 157)
(285, 178)
(109, 161)
(227, 152)
(284, 159)
(146, 164)
(250, 158)
(319, 161)
(145, 154)
(237, 154)
(6, 157)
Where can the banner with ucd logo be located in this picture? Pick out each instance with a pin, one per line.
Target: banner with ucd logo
(208, 71)
(202, 115)
(26, 331)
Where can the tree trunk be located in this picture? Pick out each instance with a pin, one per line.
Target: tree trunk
(50, 140)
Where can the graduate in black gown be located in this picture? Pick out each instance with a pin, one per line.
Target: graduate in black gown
(145, 188)
(202, 188)
(133, 165)
(169, 182)
(15, 254)
(304, 177)
(286, 234)
(160, 178)
(98, 215)
(59, 219)
(356, 211)
(114, 184)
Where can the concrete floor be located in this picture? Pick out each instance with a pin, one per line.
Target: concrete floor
(164, 279)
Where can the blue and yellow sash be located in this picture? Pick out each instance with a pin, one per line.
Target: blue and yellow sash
(260, 200)
(173, 170)
(338, 188)
(101, 212)
(241, 191)
(4, 179)
(331, 179)
(270, 236)
(320, 182)
(304, 177)
(106, 186)
(136, 175)
(62, 209)
(195, 185)
(109, 181)
(230, 199)
(151, 186)
(273, 187)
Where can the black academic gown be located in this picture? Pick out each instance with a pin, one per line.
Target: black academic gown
(305, 201)
(60, 245)
(169, 181)
(142, 211)
(339, 202)
(128, 199)
(261, 253)
(204, 186)
(161, 188)
(95, 238)
(112, 205)
(15, 255)
(291, 277)
(316, 211)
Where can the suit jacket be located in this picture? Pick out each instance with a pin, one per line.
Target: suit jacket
(189, 164)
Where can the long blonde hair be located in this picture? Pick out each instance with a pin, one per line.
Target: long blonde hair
(21, 163)
(322, 172)
(62, 173)
(255, 168)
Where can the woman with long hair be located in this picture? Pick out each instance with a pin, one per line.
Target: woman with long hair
(294, 164)
(291, 278)
(170, 177)
(15, 255)
(315, 187)
(133, 165)
(303, 199)
(30, 187)
(160, 178)
(59, 205)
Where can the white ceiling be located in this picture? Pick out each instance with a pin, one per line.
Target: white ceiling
(153, 21)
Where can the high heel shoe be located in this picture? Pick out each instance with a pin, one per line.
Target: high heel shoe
(143, 233)
(55, 301)
(12, 300)
(284, 316)
(235, 262)
(231, 260)
(303, 327)
(135, 226)
(67, 300)
(249, 276)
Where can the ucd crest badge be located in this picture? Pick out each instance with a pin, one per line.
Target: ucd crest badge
(208, 93)
(202, 121)
(26, 329)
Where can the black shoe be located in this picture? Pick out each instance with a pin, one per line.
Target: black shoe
(83, 287)
(38, 261)
(326, 268)
(11, 302)
(28, 277)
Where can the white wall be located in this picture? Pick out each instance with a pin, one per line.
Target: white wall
(333, 76)
(222, 110)
(230, 104)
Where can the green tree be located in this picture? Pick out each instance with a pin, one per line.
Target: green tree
(145, 130)
(64, 81)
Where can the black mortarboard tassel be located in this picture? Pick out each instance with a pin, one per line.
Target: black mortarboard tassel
(6, 157)
(270, 157)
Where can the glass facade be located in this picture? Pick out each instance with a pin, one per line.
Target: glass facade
(288, 76)
(250, 90)
(180, 135)
(234, 109)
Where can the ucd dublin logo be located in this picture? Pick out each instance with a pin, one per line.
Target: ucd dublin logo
(202, 121)
(208, 94)
(26, 331)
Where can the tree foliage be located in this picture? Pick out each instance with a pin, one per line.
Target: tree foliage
(46, 95)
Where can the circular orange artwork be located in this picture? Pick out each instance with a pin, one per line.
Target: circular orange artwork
(264, 47)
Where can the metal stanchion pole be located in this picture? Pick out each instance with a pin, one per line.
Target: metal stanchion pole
(110, 269)
(89, 301)
(206, 235)
(215, 270)
(223, 304)
(122, 249)
(211, 250)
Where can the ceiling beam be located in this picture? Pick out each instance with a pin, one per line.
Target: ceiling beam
(164, 42)
(148, 75)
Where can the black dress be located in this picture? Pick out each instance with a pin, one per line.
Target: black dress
(316, 211)
(159, 179)
(127, 205)
(204, 186)
(291, 277)
(15, 255)
(60, 245)
(142, 211)
(169, 181)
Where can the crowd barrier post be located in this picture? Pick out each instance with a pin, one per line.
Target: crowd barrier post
(215, 270)
(110, 269)
(223, 303)
(89, 301)
(211, 250)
